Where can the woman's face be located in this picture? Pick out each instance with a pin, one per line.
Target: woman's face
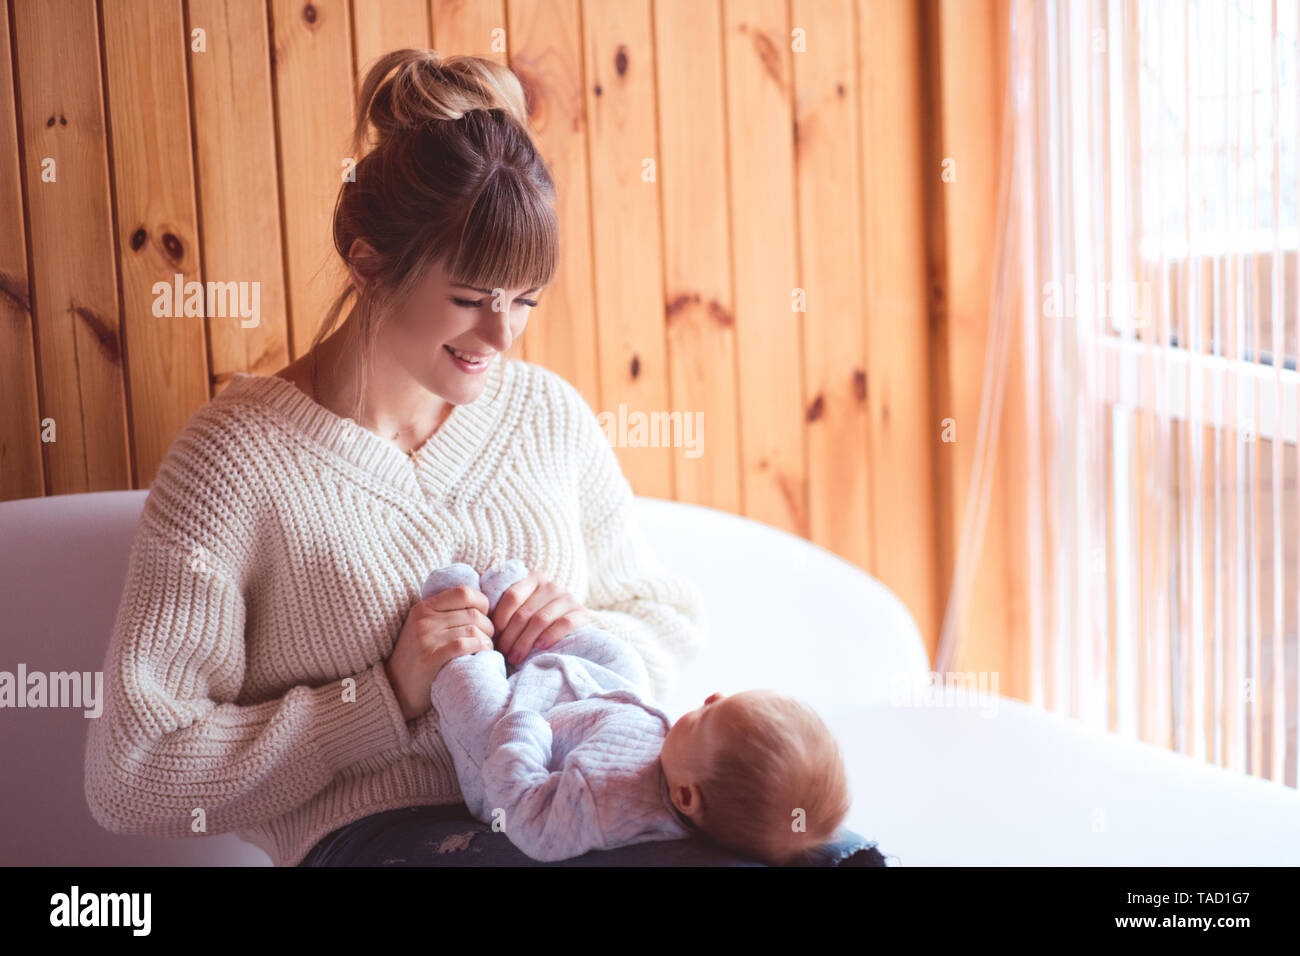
(438, 317)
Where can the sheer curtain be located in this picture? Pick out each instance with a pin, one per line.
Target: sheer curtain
(1148, 268)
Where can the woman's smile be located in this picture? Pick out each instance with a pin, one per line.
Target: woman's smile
(469, 361)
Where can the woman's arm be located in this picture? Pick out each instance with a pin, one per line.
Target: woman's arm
(171, 740)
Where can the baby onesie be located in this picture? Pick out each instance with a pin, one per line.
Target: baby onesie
(563, 754)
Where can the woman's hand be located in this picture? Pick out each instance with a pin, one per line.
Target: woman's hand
(449, 624)
(535, 613)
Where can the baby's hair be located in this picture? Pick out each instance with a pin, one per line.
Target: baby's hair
(782, 768)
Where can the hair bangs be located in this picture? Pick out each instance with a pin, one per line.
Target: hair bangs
(510, 239)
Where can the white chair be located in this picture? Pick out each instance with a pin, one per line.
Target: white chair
(63, 566)
(989, 782)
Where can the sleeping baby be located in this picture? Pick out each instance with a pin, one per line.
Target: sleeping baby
(567, 755)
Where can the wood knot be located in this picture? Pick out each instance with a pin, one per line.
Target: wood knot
(720, 313)
(15, 291)
(816, 408)
(620, 60)
(103, 333)
(138, 239)
(677, 303)
(173, 247)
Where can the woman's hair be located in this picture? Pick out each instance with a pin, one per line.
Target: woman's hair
(777, 789)
(453, 178)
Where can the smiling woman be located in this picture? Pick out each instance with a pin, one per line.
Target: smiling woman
(297, 657)
(454, 198)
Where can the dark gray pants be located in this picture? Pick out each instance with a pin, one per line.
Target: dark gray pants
(448, 836)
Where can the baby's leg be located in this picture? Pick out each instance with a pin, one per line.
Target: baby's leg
(606, 650)
(470, 695)
(453, 575)
(494, 583)
(589, 641)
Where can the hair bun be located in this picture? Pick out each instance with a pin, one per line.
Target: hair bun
(426, 86)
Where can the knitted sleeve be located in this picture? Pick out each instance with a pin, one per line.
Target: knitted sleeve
(660, 613)
(173, 754)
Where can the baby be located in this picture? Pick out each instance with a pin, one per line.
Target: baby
(567, 755)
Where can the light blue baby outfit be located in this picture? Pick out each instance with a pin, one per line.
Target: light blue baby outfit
(563, 754)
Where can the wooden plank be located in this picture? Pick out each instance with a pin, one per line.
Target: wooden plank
(901, 427)
(234, 150)
(761, 180)
(935, 231)
(74, 276)
(22, 471)
(829, 235)
(316, 109)
(382, 25)
(476, 27)
(700, 313)
(626, 235)
(546, 55)
(158, 236)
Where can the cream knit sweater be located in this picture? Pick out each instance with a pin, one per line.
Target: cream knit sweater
(278, 553)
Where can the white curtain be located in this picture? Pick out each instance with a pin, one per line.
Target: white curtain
(1148, 268)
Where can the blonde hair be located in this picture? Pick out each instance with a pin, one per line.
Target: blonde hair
(781, 766)
(453, 177)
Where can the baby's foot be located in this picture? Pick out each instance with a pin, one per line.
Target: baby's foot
(495, 581)
(452, 576)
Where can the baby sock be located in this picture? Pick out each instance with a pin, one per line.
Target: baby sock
(495, 581)
(492, 583)
(452, 576)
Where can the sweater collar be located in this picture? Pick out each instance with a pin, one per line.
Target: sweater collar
(437, 464)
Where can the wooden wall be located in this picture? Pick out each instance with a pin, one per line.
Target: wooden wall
(797, 150)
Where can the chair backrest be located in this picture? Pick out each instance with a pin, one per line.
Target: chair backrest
(783, 613)
(62, 569)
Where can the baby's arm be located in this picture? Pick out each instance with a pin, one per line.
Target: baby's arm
(549, 815)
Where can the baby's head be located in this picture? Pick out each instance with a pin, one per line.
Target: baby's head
(758, 772)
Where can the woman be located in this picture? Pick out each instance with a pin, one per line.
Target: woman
(271, 663)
